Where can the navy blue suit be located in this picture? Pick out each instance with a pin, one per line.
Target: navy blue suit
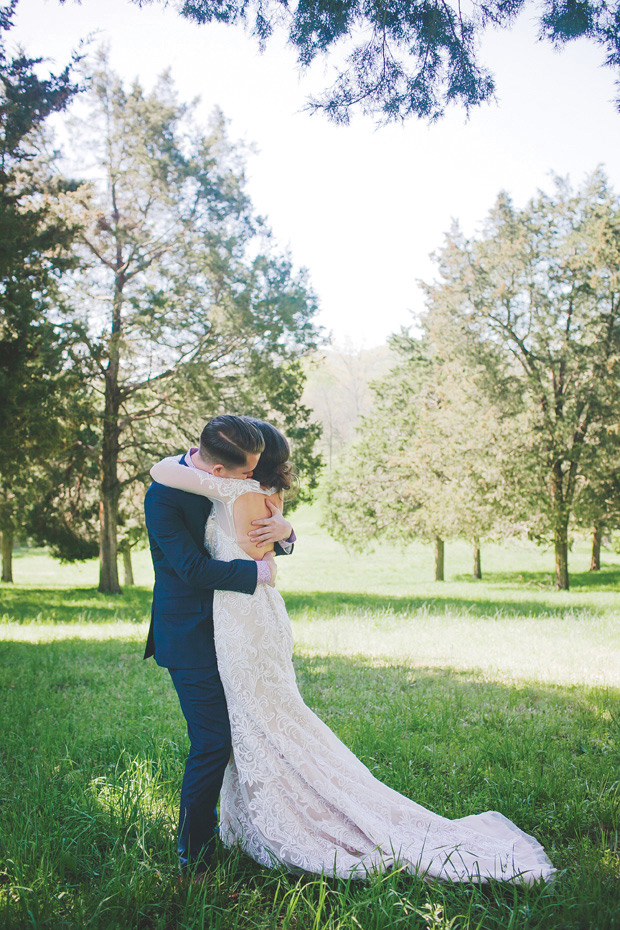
(181, 639)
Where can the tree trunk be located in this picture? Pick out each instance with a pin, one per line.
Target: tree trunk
(477, 563)
(108, 508)
(439, 559)
(561, 557)
(108, 549)
(110, 448)
(6, 543)
(128, 567)
(595, 561)
(560, 531)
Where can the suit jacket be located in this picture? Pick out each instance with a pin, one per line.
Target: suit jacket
(181, 631)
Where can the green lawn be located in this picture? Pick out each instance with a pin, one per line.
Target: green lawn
(501, 694)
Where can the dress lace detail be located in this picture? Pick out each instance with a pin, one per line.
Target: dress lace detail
(294, 794)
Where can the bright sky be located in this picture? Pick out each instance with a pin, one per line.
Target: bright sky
(362, 208)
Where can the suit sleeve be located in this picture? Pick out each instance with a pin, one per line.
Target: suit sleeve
(166, 525)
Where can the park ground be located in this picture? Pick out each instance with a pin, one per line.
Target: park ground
(465, 695)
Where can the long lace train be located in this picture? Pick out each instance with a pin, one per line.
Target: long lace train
(294, 794)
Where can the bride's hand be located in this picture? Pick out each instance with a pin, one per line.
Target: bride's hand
(270, 559)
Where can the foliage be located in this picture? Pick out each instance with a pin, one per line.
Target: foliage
(371, 492)
(185, 305)
(503, 417)
(534, 304)
(597, 500)
(65, 515)
(406, 58)
(38, 367)
(419, 468)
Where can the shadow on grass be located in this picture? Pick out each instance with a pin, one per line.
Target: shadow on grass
(69, 605)
(77, 604)
(603, 580)
(320, 605)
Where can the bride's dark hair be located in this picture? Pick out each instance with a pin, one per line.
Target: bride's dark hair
(273, 470)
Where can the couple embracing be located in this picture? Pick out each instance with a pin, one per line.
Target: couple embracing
(291, 794)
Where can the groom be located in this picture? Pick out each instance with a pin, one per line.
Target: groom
(181, 632)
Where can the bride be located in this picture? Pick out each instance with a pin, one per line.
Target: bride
(293, 793)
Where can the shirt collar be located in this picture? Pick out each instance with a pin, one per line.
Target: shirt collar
(188, 457)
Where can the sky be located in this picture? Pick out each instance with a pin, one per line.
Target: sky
(361, 207)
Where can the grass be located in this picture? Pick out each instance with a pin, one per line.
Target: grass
(466, 696)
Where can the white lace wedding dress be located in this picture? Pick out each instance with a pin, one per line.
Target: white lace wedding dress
(293, 793)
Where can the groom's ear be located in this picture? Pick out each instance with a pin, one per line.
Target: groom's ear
(219, 471)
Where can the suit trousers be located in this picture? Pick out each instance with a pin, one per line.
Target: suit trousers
(203, 704)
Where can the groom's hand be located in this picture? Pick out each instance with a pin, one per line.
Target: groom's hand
(271, 529)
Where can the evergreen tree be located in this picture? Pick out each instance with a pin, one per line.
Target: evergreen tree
(65, 515)
(373, 493)
(534, 303)
(186, 307)
(419, 468)
(409, 57)
(504, 418)
(597, 503)
(38, 374)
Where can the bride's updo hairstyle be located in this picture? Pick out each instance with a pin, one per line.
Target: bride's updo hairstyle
(273, 470)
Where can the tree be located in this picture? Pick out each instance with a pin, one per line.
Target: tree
(375, 492)
(65, 516)
(37, 383)
(534, 303)
(186, 307)
(506, 413)
(406, 58)
(419, 468)
(456, 427)
(597, 503)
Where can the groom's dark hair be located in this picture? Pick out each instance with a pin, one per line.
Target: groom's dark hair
(228, 440)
